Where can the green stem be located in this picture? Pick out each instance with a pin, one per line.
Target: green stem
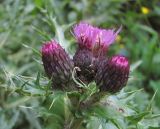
(92, 100)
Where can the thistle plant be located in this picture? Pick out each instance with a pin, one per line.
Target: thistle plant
(83, 92)
(90, 63)
(53, 79)
(88, 84)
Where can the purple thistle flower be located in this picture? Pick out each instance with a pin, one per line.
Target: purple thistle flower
(113, 74)
(57, 64)
(83, 34)
(106, 37)
(95, 39)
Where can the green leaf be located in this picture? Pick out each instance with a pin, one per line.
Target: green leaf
(59, 32)
(34, 50)
(44, 34)
(32, 119)
(136, 65)
(138, 117)
(39, 3)
(149, 107)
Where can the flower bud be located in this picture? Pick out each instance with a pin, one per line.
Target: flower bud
(85, 61)
(57, 64)
(113, 74)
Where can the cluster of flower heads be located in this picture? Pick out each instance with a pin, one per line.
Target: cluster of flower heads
(109, 73)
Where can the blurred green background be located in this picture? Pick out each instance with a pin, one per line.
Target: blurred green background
(26, 24)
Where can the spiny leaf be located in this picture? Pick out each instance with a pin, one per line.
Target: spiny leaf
(149, 107)
(59, 32)
(34, 50)
(45, 35)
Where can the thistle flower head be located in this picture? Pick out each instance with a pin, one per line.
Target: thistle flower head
(50, 48)
(57, 64)
(121, 62)
(84, 60)
(95, 39)
(83, 32)
(113, 75)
